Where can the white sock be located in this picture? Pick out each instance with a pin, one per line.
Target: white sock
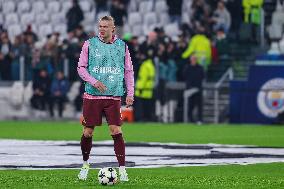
(86, 162)
(122, 169)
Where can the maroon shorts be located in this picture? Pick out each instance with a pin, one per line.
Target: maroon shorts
(93, 110)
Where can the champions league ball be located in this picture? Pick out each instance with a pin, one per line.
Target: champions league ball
(107, 176)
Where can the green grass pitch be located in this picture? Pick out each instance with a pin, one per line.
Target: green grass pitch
(225, 176)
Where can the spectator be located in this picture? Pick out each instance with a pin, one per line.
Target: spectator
(41, 91)
(133, 47)
(37, 65)
(222, 43)
(49, 56)
(74, 16)
(150, 43)
(172, 58)
(78, 102)
(235, 9)
(59, 89)
(5, 57)
(194, 75)
(199, 45)
(101, 5)
(161, 36)
(221, 18)
(16, 52)
(181, 46)
(119, 13)
(29, 31)
(71, 51)
(200, 13)
(144, 91)
(175, 10)
(28, 54)
(81, 34)
(252, 15)
(280, 118)
(163, 72)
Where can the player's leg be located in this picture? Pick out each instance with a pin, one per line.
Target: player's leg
(113, 116)
(92, 116)
(86, 146)
(119, 149)
(86, 142)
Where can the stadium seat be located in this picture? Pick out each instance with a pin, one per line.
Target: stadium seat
(53, 7)
(126, 28)
(186, 5)
(58, 18)
(278, 6)
(278, 18)
(42, 18)
(185, 17)
(11, 18)
(74, 91)
(134, 18)
(133, 6)
(60, 28)
(172, 29)
(147, 29)
(164, 19)
(45, 30)
(89, 17)
(137, 30)
(14, 30)
(1, 19)
(85, 6)
(65, 6)
(91, 28)
(17, 90)
(38, 7)
(150, 19)
(8, 7)
(275, 31)
(23, 7)
(161, 6)
(281, 44)
(186, 11)
(28, 93)
(274, 49)
(145, 6)
(27, 18)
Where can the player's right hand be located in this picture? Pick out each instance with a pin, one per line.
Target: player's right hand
(100, 86)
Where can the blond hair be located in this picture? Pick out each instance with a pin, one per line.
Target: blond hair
(107, 18)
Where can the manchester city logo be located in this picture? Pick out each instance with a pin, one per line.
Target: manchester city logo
(270, 99)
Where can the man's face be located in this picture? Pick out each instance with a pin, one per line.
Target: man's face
(193, 60)
(106, 28)
(221, 5)
(60, 75)
(43, 73)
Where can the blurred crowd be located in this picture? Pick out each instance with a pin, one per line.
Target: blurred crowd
(205, 38)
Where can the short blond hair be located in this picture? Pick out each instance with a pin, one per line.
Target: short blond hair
(107, 18)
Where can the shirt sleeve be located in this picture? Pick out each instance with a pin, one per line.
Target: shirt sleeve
(83, 64)
(129, 74)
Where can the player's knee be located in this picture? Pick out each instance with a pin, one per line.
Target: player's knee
(114, 130)
(88, 132)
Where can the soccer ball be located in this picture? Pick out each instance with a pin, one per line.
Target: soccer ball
(107, 176)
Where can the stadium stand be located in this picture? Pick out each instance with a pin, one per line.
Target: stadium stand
(48, 17)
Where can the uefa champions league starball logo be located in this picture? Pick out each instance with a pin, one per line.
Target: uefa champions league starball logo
(270, 99)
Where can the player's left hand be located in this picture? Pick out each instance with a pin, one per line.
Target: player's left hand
(129, 101)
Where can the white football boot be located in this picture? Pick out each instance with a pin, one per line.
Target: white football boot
(123, 176)
(84, 172)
